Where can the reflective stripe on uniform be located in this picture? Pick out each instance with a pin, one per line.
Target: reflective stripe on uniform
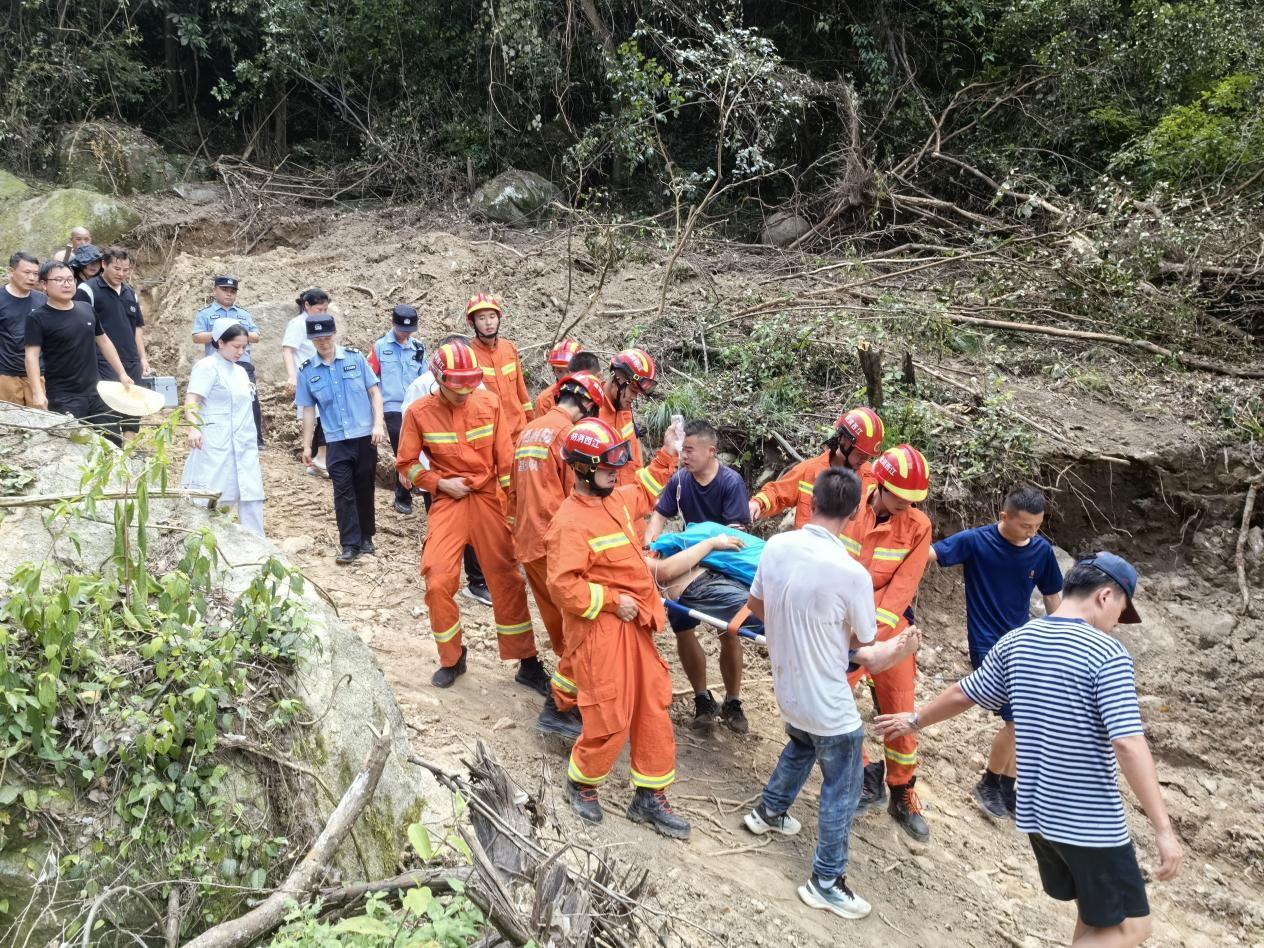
(908, 760)
(806, 488)
(564, 684)
(578, 776)
(513, 629)
(763, 501)
(486, 431)
(504, 481)
(653, 783)
(439, 437)
(489, 370)
(413, 471)
(596, 599)
(508, 368)
(853, 546)
(449, 635)
(628, 430)
(537, 451)
(609, 542)
(886, 617)
(648, 482)
(890, 554)
(528, 407)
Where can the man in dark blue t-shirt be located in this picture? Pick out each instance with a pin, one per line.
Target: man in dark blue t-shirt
(1003, 563)
(706, 491)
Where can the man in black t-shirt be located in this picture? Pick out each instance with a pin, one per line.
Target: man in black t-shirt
(17, 298)
(118, 312)
(68, 335)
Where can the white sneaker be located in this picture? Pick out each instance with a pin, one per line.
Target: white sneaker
(838, 899)
(759, 822)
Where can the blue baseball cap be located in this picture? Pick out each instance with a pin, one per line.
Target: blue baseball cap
(404, 317)
(1122, 572)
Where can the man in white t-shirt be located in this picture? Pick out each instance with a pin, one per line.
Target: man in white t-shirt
(817, 606)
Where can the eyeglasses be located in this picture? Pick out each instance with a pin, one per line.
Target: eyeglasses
(59, 279)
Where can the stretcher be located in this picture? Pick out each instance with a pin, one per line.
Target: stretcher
(731, 628)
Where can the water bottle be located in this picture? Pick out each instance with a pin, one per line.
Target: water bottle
(678, 426)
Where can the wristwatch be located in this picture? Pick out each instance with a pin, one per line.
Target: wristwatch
(912, 722)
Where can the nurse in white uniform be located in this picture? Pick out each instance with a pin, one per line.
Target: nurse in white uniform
(224, 446)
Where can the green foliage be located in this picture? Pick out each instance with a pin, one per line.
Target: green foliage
(120, 688)
(1208, 139)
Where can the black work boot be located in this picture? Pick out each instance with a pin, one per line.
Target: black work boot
(349, 554)
(367, 547)
(553, 721)
(705, 712)
(651, 806)
(447, 675)
(584, 801)
(531, 672)
(731, 713)
(874, 790)
(906, 810)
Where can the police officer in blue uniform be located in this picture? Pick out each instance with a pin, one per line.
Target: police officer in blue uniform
(224, 293)
(398, 358)
(340, 381)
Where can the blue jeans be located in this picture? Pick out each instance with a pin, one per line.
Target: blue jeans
(842, 771)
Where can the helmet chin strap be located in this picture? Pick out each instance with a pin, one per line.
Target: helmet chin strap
(589, 476)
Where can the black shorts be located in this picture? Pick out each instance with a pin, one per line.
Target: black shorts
(1106, 883)
(716, 595)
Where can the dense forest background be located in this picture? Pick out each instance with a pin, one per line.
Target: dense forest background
(648, 102)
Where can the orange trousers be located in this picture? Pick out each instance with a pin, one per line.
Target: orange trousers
(625, 690)
(478, 520)
(563, 681)
(893, 693)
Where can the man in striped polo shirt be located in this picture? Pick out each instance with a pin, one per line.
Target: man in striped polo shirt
(1077, 724)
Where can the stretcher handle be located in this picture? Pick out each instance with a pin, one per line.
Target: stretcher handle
(729, 628)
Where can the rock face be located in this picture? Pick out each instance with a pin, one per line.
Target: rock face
(783, 228)
(12, 187)
(341, 684)
(42, 224)
(514, 198)
(113, 158)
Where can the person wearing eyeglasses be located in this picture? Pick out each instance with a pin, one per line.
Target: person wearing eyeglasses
(67, 334)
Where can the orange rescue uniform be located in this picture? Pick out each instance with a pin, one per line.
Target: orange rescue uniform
(794, 488)
(541, 481)
(545, 401)
(502, 373)
(594, 557)
(625, 427)
(894, 553)
(470, 441)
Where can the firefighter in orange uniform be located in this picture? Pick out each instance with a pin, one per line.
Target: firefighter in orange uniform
(541, 481)
(502, 369)
(611, 610)
(464, 434)
(857, 438)
(632, 374)
(891, 540)
(560, 362)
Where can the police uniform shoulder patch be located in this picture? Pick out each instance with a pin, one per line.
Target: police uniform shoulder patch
(350, 349)
(306, 363)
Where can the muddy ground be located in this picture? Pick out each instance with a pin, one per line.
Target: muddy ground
(1138, 469)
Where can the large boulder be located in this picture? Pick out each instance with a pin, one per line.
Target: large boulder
(113, 158)
(514, 198)
(12, 187)
(340, 684)
(783, 228)
(41, 224)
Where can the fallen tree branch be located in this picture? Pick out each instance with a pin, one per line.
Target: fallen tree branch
(1239, 553)
(786, 445)
(1020, 196)
(306, 876)
(1190, 361)
(437, 881)
(50, 500)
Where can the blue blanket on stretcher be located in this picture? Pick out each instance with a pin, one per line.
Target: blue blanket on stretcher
(739, 565)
